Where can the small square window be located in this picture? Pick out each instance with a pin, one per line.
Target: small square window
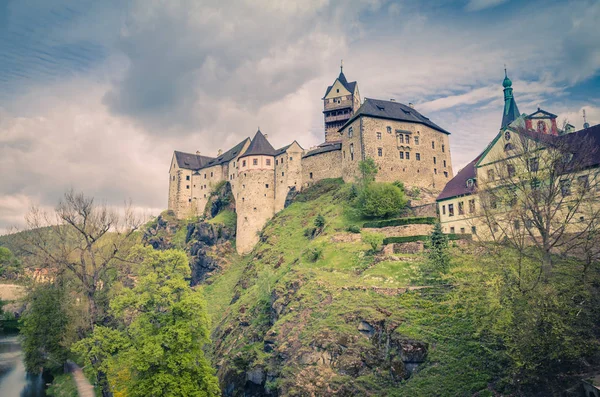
(461, 208)
(462, 230)
(450, 209)
(254, 161)
(432, 144)
(434, 160)
(243, 163)
(443, 210)
(444, 163)
(291, 158)
(282, 174)
(401, 155)
(416, 140)
(443, 148)
(407, 155)
(379, 152)
(310, 175)
(187, 186)
(187, 177)
(407, 139)
(389, 129)
(418, 156)
(268, 161)
(266, 185)
(446, 174)
(452, 230)
(379, 136)
(473, 230)
(211, 174)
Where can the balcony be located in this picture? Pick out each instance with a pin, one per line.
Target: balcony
(340, 117)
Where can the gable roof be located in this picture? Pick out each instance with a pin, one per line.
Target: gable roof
(324, 148)
(457, 186)
(228, 155)
(284, 149)
(393, 111)
(191, 161)
(545, 114)
(259, 146)
(342, 78)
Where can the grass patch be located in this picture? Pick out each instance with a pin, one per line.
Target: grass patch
(62, 386)
(227, 218)
(408, 239)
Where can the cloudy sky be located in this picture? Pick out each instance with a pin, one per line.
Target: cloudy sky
(96, 95)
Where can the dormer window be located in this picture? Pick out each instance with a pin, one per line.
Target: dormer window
(379, 107)
(508, 147)
(350, 132)
(507, 135)
(389, 129)
(470, 182)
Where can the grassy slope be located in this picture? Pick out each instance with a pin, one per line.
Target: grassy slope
(332, 295)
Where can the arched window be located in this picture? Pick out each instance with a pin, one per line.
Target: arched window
(508, 147)
(541, 127)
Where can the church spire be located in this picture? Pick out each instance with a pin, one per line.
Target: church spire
(511, 111)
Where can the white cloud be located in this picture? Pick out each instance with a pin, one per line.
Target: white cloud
(478, 5)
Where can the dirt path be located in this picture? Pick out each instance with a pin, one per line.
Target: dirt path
(84, 388)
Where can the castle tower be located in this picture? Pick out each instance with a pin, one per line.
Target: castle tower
(256, 185)
(340, 102)
(511, 111)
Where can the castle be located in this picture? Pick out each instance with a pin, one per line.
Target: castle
(405, 145)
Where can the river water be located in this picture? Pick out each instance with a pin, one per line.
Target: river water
(14, 381)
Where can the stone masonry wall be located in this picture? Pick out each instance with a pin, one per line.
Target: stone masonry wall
(432, 169)
(255, 203)
(321, 166)
(288, 174)
(403, 231)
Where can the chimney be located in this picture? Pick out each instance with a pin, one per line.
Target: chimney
(219, 152)
(392, 100)
(266, 136)
(198, 152)
(410, 105)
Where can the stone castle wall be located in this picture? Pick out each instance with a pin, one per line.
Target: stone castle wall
(321, 166)
(288, 174)
(421, 157)
(255, 202)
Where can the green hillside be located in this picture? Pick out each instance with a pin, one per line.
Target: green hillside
(324, 315)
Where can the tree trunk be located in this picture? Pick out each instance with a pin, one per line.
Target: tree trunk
(546, 265)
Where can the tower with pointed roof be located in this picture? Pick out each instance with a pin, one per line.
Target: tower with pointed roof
(511, 111)
(255, 203)
(340, 101)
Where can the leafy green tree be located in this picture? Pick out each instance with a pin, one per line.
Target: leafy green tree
(368, 169)
(380, 200)
(44, 328)
(157, 349)
(438, 250)
(10, 267)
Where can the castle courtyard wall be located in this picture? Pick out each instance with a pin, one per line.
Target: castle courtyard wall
(288, 174)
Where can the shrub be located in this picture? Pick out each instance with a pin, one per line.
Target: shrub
(375, 240)
(414, 192)
(354, 229)
(310, 232)
(380, 200)
(408, 239)
(401, 222)
(438, 250)
(314, 254)
(399, 185)
(320, 222)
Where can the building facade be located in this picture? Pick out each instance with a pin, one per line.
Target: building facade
(529, 159)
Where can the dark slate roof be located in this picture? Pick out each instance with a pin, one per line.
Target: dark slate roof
(259, 146)
(324, 148)
(393, 111)
(551, 115)
(584, 144)
(282, 150)
(511, 112)
(458, 185)
(228, 155)
(190, 161)
(342, 78)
